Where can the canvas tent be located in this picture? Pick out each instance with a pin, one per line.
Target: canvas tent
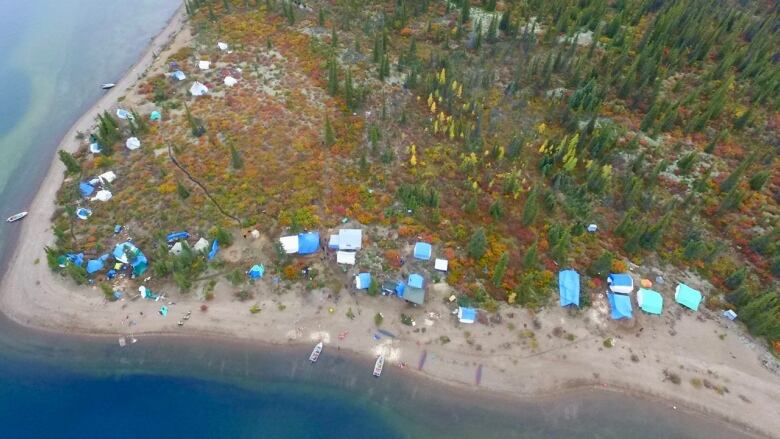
(201, 246)
(650, 301)
(107, 177)
(133, 143)
(422, 250)
(222, 46)
(415, 281)
(440, 264)
(687, 297)
(178, 75)
(289, 244)
(362, 281)
(198, 89)
(102, 195)
(345, 258)
(621, 283)
(620, 306)
(177, 249)
(204, 65)
(308, 242)
(350, 239)
(467, 315)
(230, 81)
(569, 287)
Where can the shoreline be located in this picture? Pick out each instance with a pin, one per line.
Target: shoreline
(35, 306)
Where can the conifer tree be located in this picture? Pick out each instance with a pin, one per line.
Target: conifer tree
(330, 136)
(500, 270)
(531, 207)
(72, 166)
(530, 258)
(477, 244)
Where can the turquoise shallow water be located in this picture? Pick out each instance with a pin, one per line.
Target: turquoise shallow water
(53, 55)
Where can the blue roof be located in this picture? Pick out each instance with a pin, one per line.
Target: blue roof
(175, 236)
(620, 305)
(569, 286)
(86, 189)
(687, 296)
(308, 243)
(256, 272)
(365, 281)
(422, 250)
(415, 281)
(620, 279)
(650, 301)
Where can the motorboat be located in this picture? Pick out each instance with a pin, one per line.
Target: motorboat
(107, 85)
(16, 217)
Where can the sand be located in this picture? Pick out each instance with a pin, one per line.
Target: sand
(523, 355)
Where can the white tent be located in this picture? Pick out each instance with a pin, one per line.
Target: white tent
(440, 264)
(204, 65)
(350, 239)
(198, 89)
(133, 143)
(202, 245)
(222, 46)
(107, 177)
(176, 249)
(230, 81)
(94, 148)
(103, 195)
(289, 244)
(124, 114)
(345, 258)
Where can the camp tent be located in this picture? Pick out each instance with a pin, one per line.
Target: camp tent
(177, 249)
(333, 242)
(155, 115)
(440, 264)
(222, 46)
(95, 148)
(204, 65)
(230, 81)
(308, 243)
(102, 195)
(413, 295)
(86, 189)
(198, 89)
(621, 283)
(687, 296)
(569, 287)
(136, 257)
(362, 281)
(650, 301)
(178, 75)
(345, 257)
(201, 246)
(620, 306)
(415, 281)
(107, 177)
(133, 143)
(730, 314)
(350, 239)
(123, 114)
(422, 250)
(289, 244)
(467, 315)
(256, 272)
(83, 213)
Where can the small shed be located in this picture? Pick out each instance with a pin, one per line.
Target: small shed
(620, 306)
(467, 315)
(422, 250)
(569, 288)
(363, 281)
(650, 301)
(415, 281)
(687, 296)
(440, 264)
(621, 283)
(345, 258)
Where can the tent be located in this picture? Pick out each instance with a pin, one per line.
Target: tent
(230, 81)
(620, 305)
(414, 295)
(308, 243)
(102, 195)
(204, 65)
(107, 177)
(621, 283)
(730, 314)
(415, 281)
(440, 264)
(124, 114)
(222, 46)
(569, 287)
(467, 315)
(202, 245)
(75, 258)
(94, 265)
(156, 115)
(256, 272)
(127, 253)
(214, 249)
(178, 75)
(345, 258)
(363, 281)
(83, 213)
(687, 296)
(175, 236)
(289, 244)
(422, 250)
(350, 239)
(650, 301)
(176, 249)
(333, 242)
(133, 143)
(95, 148)
(86, 189)
(198, 89)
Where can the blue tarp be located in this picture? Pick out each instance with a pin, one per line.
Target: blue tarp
(399, 289)
(308, 243)
(650, 301)
(620, 283)
(75, 258)
(155, 115)
(620, 305)
(415, 281)
(363, 281)
(256, 272)
(86, 189)
(95, 265)
(687, 296)
(136, 257)
(117, 228)
(422, 250)
(467, 315)
(83, 213)
(569, 286)
(111, 274)
(175, 236)
(214, 249)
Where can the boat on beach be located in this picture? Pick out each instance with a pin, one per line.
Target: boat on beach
(380, 363)
(315, 353)
(16, 217)
(107, 85)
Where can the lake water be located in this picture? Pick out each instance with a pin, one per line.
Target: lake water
(53, 55)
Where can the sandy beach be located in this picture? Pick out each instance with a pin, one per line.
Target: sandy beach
(717, 367)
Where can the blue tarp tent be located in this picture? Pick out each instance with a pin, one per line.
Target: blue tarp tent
(415, 281)
(75, 258)
(422, 250)
(83, 213)
(687, 296)
(214, 249)
(650, 301)
(136, 257)
(569, 286)
(256, 272)
(155, 115)
(179, 75)
(308, 243)
(399, 289)
(363, 281)
(175, 236)
(86, 189)
(94, 265)
(620, 305)
(621, 283)
(467, 315)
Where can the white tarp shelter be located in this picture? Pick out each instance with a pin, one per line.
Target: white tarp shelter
(204, 65)
(198, 89)
(103, 195)
(350, 239)
(222, 46)
(176, 249)
(202, 245)
(345, 257)
(289, 244)
(107, 177)
(133, 143)
(230, 81)
(440, 264)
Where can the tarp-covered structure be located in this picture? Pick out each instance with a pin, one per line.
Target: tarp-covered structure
(127, 253)
(413, 295)
(345, 258)
(256, 272)
(363, 281)
(198, 89)
(289, 244)
(621, 283)
(415, 280)
(95, 265)
(86, 189)
(347, 239)
(308, 243)
(620, 306)
(176, 236)
(569, 287)
(650, 301)
(687, 296)
(467, 315)
(422, 250)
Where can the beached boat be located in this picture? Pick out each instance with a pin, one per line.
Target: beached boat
(16, 217)
(315, 353)
(107, 85)
(380, 363)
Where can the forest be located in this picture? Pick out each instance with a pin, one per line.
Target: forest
(496, 130)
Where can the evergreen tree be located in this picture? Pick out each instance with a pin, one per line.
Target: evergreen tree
(530, 258)
(477, 244)
(182, 190)
(333, 77)
(496, 210)
(736, 278)
(72, 166)
(731, 181)
(330, 136)
(235, 158)
(464, 11)
(500, 270)
(602, 266)
(531, 207)
(758, 180)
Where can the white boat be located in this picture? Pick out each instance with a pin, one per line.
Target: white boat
(107, 85)
(16, 217)
(315, 353)
(380, 363)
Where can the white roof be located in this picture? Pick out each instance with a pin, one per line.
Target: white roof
(107, 177)
(440, 264)
(334, 241)
(103, 195)
(198, 89)
(289, 244)
(345, 257)
(133, 143)
(222, 46)
(201, 245)
(230, 81)
(350, 239)
(204, 65)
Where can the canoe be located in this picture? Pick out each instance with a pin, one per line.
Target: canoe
(16, 217)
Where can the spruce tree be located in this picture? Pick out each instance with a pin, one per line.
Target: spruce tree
(531, 207)
(500, 270)
(72, 166)
(477, 244)
(530, 258)
(330, 136)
